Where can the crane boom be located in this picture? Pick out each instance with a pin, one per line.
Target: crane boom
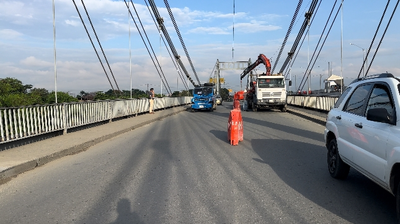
(261, 59)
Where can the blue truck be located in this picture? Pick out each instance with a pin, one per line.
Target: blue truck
(204, 98)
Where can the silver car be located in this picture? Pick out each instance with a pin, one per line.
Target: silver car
(363, 132)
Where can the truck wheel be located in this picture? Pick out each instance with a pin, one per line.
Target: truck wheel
(337, 168)
(283, 109)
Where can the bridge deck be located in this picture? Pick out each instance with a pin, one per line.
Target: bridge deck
(24, 158)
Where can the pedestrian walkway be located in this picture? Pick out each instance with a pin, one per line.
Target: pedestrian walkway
(23, 158)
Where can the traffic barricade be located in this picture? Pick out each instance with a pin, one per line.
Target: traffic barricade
(235, 127)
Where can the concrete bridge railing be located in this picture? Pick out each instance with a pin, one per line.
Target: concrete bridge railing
(24, 122)
(324, 103)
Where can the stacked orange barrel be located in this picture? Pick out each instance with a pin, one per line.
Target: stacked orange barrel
(235, 122)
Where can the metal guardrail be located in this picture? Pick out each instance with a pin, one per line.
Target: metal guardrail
(24, 122)
(325, 103)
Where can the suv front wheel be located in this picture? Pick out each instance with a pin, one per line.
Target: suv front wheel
(337, 168)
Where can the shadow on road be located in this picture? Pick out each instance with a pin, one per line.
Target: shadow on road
(221, 135)
(302, 166)
(125, 215)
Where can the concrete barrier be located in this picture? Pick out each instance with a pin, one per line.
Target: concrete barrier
(324, 103)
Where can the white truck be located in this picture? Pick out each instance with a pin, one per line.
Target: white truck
(265, 90)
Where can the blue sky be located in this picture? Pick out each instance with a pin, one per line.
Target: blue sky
(26, 41)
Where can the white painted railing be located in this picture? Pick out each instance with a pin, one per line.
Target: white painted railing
(24, 122)
(315, 102)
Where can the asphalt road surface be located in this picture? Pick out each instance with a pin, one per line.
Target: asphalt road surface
(183, 170)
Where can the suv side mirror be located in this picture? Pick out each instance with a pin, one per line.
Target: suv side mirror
(379, 115)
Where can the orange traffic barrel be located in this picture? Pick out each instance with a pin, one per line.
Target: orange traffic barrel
(236, 104)
(239, 95)
(235, 127)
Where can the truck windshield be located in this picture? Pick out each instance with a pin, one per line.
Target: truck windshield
(271, 83)
(203, 91)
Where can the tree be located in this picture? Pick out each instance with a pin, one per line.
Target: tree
(176, 93)
(12, 86)
(41, 94)
(185, 93)
(102, 96)
(224, 92)
(62, 97)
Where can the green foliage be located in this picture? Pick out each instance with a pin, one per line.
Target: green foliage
(16, 100)
(13, 93)
(176, 94)
(102, 96)
(185, 93)
(62, 97)
(224, 92)
(12, 86)
(40, 94)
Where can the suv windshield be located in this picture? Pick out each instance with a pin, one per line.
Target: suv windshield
(271, 83)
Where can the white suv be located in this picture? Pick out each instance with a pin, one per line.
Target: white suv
(363, 132)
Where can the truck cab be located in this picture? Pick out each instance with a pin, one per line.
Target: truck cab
(204, 97)
(269, 92)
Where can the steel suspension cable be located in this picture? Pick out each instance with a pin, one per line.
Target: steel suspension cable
(181, 39)
(308, 15)
(160, 22)
(293, 59)
(163, 79)
(91, 41)
(373, 39)
(178, 69)
(383, 35)
(144, 42)
(308, 70)
(98, 41)
(287, 34)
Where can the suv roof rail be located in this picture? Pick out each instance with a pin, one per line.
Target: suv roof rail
(382, 75)
(374, 76)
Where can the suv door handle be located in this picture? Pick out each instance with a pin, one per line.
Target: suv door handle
(338, 117)
(358, 125)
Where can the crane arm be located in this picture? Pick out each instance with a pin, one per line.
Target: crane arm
(261, 59)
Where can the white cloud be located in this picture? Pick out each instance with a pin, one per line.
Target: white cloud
(255, 27)
(209, 30)
(10, 34)
(34, 62)
(73, 22)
